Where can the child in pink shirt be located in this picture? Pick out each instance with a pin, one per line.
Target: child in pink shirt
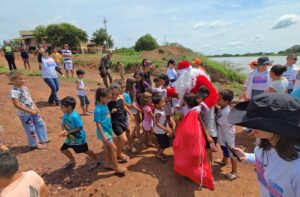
(148, 120)
(14, 183)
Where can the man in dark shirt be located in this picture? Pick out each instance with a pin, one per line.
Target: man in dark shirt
(105, 68)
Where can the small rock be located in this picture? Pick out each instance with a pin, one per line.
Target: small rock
(59, 188)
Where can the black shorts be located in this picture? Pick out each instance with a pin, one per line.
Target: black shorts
(84, 100)
(163, 140)
(119, 128)
(77, 148)
(215, 139)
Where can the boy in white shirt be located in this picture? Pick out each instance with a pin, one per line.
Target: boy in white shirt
(81, 92)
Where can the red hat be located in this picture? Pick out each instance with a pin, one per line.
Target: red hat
(183, 65)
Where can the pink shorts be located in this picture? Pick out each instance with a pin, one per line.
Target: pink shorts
(147, 125)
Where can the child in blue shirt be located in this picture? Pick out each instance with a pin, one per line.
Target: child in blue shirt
(104, 130)
(72, 129)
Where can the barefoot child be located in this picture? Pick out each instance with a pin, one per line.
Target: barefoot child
(226, 132)
(105, 131)
(161, 130)
(82, 92)
(28, 113)
(72, 129)
(147, 120)
(14, 183)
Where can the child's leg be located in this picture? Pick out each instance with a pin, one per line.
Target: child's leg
(113, 154)
(72, 73)
(28, 64)
(25, 65)
(87, 103)
(226, 154)
(233, 166)
(150, 138)
(107, 155)
(129, 138)
(68, 154)
(92, 155)
(67, 73)
(40, 128)
(137, 120)
(27, 122)
(169, 121)
(121, 143)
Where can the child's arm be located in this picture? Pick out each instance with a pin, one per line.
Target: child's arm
(205, 131)
(151, 114)
(44, 191)
(19, 106)
(127, 110)
(168, 130)
(104, 138)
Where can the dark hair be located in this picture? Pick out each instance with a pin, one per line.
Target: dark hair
(120, 82)
(190, 100)
(165, 78)
(287, 148)
(9, 164)
(80, 72)
(130, 87)
(156, 79)
(68, 101)
(202, 93)
(226, 95)
(278, 69)
(156, 99)
(100, 93)
(114, 86)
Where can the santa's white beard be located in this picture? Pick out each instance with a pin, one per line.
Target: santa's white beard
(187, 80)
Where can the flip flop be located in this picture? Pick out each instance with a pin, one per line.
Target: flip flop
(69, 165)
(161, 158)
(231, 176)
(120, 172)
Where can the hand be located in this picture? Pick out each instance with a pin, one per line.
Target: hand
(63, 76)
(104, 139)
(63, 133)
(240, 153)
(168, 130)
(34, 112)
(114, 110)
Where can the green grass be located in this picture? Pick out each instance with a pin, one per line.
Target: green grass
(3, 70)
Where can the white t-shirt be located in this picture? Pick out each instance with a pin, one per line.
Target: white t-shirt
(162, 121)
(289, 74)
(296, 78)
(210, 121)
(80, 89)
(276, 176)
(280, 85)
(48, 68)
(226, 130)
(260, 80)
(23, 95)
(172, 74)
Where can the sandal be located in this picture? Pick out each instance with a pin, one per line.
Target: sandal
(69, 165)
(161, 158)
(231, 176)
(123, 158)
(120, 171)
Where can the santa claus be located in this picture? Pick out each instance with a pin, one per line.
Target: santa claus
(190, 80)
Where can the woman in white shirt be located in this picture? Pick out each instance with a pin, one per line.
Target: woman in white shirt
(279, 83)
(274, 118)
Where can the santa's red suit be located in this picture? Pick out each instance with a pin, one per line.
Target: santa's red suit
(190, 80)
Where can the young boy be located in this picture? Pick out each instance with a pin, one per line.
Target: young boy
(68, 62)
(81, 92)
(226, 132)
(28, 113)
(161, 130)
(72, 129)
(13, 183)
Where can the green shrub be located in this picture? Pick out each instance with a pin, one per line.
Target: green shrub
(146, 42)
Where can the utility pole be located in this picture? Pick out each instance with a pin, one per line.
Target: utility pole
(105, 21)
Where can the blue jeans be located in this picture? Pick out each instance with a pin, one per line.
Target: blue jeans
(54, 86)
(35, 129)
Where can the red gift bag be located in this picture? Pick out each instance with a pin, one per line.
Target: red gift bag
(190, 158)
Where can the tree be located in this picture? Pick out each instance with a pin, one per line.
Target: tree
(146, 42)
(39, 33)
(100, 37)
(65, 33)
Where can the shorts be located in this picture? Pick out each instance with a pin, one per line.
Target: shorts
(24, 55)
(163, 140)
(84, 100)
(68, 66)
(118, 128)
(77, 148)
(147, 125)
(226, 152)
(215, 139)
(133, 110)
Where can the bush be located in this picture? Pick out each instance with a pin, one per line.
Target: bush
(146, 42)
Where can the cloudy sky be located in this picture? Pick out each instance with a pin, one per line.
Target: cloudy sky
(210, 27)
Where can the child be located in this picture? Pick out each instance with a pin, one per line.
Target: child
(226, 132)
(147, 120)
(58, 59)
(171, 72)
(25, 57)
(279, 83)
(274, 118)
(164, 81)
(81, 92)
(118, 111)
(128, 104)
(121, 69)
(68, 62)
(72, 129)
(161, 131)
(189, 103)
(14, 183)
(105, 131)
(28, 113)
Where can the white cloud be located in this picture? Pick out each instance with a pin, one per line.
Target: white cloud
(235, 44)
(218, 24)
(286, 20)
(174, 17)
(198, 25)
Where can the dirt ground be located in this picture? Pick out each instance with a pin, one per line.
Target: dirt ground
(146, 175)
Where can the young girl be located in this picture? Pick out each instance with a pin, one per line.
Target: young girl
(171, 72)
(274, 119)
(118, 111)
(164, 81)
(279, 83)
(25, 57)
(28, 112)
(147, 120)
(105, 131)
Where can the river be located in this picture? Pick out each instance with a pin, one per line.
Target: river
(242, 62)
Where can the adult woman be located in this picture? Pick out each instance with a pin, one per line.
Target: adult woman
(49, 75)
(274, 118)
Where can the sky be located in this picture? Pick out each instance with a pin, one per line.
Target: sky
(209, 27)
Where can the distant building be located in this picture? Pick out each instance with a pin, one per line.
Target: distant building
(27, 38)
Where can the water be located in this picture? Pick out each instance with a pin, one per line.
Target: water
(242, 62)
